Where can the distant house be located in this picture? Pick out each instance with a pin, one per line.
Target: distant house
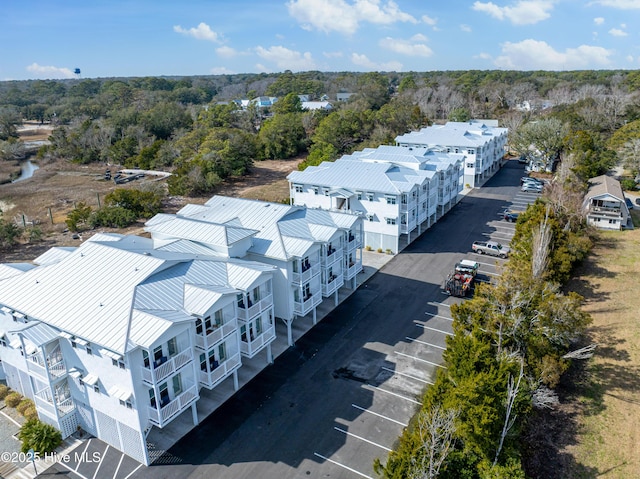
(604, 204)
(264, 101)
(343, 96)
(316, 105)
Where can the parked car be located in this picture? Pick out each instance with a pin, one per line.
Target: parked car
(490, 247)
(629, 203)
(529, 179)
(638, 201)
(532, 188)
(511, 216)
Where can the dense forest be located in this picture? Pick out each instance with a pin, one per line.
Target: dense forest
(514, 340)
(195, 126)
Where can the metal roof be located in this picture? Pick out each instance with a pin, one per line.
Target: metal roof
(462, 134)
(12, 269)
(199, 298)
(53, 255)
(146, 328)
(200, 231)
(40, 333)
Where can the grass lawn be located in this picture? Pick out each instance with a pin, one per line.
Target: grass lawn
(607, 443)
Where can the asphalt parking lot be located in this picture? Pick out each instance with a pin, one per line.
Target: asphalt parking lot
(341, 397)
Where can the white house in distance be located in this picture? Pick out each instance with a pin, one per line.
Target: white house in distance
(118, 338)
(605, 205)
(398, 191)
(481, 141)
(314, 252)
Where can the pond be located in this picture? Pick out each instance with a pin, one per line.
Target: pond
(26, 170)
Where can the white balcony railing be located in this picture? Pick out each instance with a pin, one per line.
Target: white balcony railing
(352, 269)
(332, 286)
(303, 307)
(170, 410)
(213, 336)
(254, 345)
(306, 275)
(254, 310)
(352, 243)
(57, 369)
(35, 367)
(167, 368)
(212, 378)
(335, 255)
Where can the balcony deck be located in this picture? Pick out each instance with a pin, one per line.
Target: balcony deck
(209, 380)
(166, 369)
(173, 408)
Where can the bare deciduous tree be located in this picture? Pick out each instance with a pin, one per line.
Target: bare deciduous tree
(541, 244)
(509, 420)
(436, 428)
(544, 397)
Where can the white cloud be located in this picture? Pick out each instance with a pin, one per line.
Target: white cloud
(221, 71)
(598, 20)
(630, 58)
(345, 17)
(333, 54)
(616, 32)
(49, 71)
(538, 55)
(620, 4)
(287, 59)
(201, 32)
(465, 28)
(429, 21)
(406, 47)
(523, 12)
(483, 56)
(363, 61)
(226, 52)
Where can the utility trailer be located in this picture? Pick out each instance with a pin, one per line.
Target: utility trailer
(460, 282)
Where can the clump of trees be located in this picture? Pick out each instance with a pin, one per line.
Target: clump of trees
(122, 207)
(506, 356)
(39, 436)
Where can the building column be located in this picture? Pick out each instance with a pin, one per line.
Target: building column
(194, 414)
(269, 354)
(315, 316)
(236, 386)
(335, 301)
(289, 322)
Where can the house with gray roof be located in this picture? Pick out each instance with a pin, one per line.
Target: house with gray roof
(482, 143)
(118, 337)
(397, 191)
(604, 204)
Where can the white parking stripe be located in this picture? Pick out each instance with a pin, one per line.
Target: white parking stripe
(379, 415)
(82, 455)
(413, 340)
(407, 375)
(101, 461)
(434, 329)
(376, 388)
(342, 465)
(72, 470)
(362, 439)
(133, 472)
(420, 359)
(431, 303)
(438, 316)
(115, 474)
(491, 274)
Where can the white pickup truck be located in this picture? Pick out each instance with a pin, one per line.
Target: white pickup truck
(490, 247)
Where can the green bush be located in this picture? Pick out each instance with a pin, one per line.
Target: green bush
(24, 405)
(628, 184)
(39, 436)
(4, 390)
(13, 399)
(30, 413)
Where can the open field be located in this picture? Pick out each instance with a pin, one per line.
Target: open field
(605, 404)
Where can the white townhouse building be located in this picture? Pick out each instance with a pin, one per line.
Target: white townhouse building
(481, 141)
(398, 191)
(314, 252)
(118, 338)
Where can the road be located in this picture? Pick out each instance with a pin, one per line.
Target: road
(340, 398)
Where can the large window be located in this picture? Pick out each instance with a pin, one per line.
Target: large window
(391, 221)
(391, 200)
(172, 347)
(177, 385)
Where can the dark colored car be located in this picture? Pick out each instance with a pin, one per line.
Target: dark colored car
(511, 216)
(629, 203)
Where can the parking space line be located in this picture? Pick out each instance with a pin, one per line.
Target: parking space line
(434, 329)
(104, 454)
(491, 274)
(438, 316)
(362, 439)
(72, 470)
(414, 340)
(376, 388)
(379, 415)
(134, 471)
(115, 474)
(342, 465)
(432, 303)
(420, 359)
(497, 258)
(407, 375)
(82, 455)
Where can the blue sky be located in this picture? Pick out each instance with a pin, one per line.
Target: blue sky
(108, 38)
